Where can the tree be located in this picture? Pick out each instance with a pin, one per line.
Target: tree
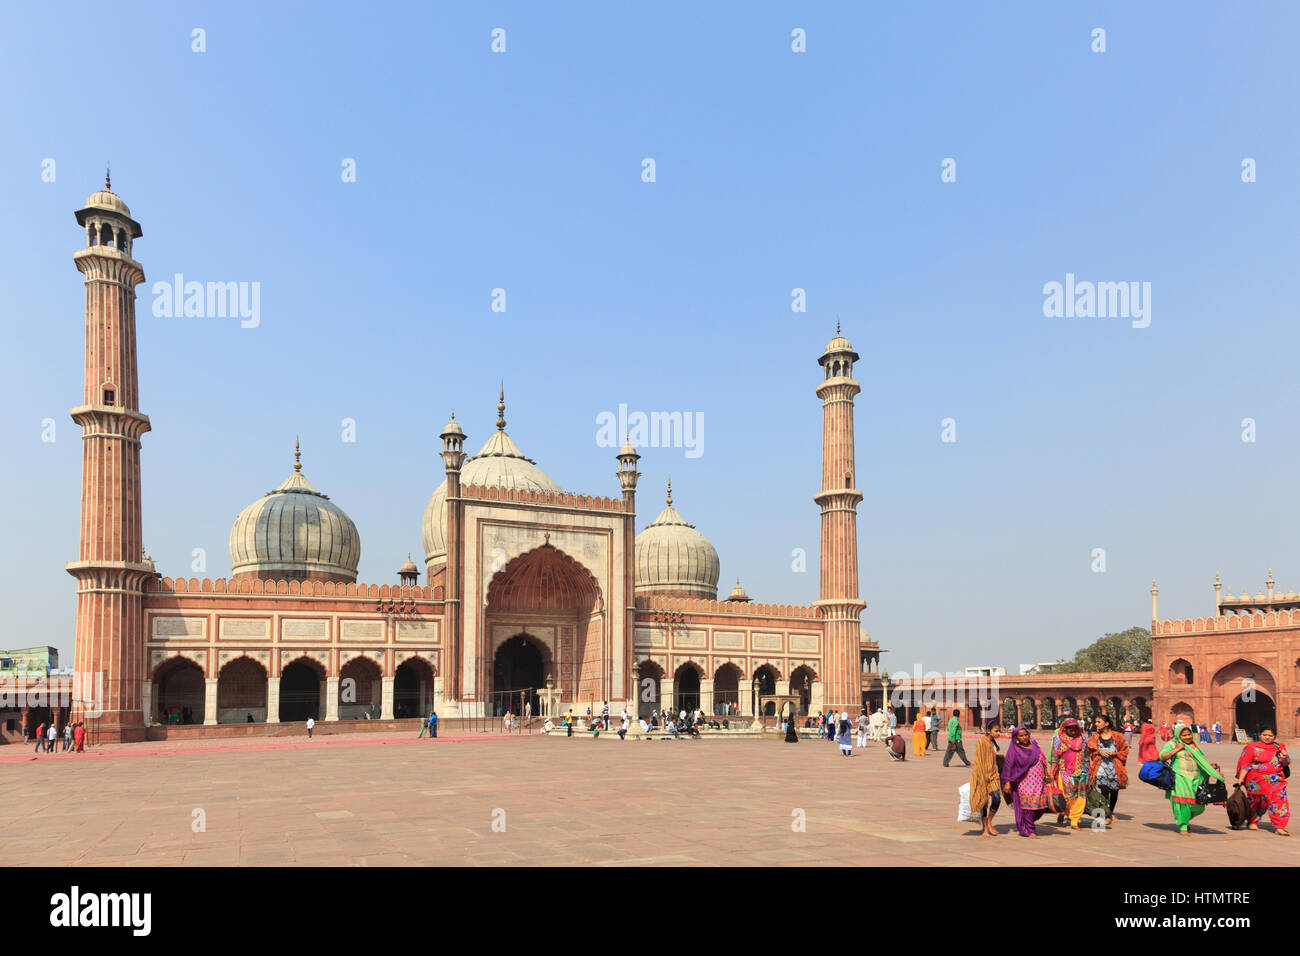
(1124, 651)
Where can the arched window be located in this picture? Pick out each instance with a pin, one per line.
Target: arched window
(105, 235)
(91, 237)
(121, 239)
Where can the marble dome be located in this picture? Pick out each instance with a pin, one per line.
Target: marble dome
(295, 532)
(672, 557)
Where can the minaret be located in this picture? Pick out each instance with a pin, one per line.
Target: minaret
(841, 607)
(453, 457)
(110, 568)
(627, 479)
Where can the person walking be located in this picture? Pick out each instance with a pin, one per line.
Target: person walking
(1147, 748)
(844, 734)
(1191, 769)
(1128, 733)
(1218, 732)
(932, 731)
(986, 778)
(892, 717)
(919, 734)
(1107, 760)
(1024, 781)
(67, 736)
(79, 737)
(311, 723)
(1261, 772)
(863, 726)
(40, 737)
(1165, 732)
(1067, 767)
(51, 735)
(954, 740)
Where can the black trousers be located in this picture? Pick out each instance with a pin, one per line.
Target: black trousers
(955, 747)
(1111, 796)
(932, 740)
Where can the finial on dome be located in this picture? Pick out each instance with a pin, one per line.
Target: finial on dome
(670, 489)
(108, 178)
(501, 409)
(837, 325)
(297, 455)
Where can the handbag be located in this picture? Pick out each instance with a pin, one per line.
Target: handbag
(1096, 801)
(1055, 798)
(1158, 774)
(1238, 807)
(1212, 791)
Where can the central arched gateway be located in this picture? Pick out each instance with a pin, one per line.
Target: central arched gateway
(1255, 715)
(551, 600)
(1244, 693)
(518, 673)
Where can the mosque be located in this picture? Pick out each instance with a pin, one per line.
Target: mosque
(532, 595)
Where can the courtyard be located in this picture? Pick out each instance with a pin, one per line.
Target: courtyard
(382, 799)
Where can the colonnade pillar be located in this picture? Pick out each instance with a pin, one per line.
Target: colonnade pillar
(273, 700)
(209, 701)
(331, 698)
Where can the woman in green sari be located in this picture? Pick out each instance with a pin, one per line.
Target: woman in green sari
(1191, 769)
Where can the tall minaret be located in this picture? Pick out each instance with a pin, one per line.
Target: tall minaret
(839, 498)
(453, 459)
(110, 568)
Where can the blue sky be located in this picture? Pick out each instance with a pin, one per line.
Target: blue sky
(774, 171)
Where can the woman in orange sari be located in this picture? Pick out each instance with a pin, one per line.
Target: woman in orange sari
(1107, 759)
(1261, 771)
(918, 736)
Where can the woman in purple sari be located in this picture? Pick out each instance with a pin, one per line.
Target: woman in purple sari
(1024, 777)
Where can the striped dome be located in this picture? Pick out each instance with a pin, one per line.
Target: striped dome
(671, 556)
(295, 532)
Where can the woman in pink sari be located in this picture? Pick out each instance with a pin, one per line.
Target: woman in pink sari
(1261, 773)
(1024, 776)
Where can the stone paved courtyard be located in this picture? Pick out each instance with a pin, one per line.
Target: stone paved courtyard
(386, 800)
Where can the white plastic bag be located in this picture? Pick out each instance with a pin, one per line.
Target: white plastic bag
(964, 814)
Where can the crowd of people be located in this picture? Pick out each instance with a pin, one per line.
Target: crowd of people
(1084, 774)
(1082, 771)
(48, 737)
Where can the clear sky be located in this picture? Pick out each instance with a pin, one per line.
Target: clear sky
(774, 170)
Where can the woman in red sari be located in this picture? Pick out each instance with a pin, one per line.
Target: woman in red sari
(1260, 771)
(1147, 748)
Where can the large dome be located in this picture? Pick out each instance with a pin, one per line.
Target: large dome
(295, 532)
(672, 557)
(499, 463)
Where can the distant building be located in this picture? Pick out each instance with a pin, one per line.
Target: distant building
(1040, 668)
(986, 672)
(28, 662)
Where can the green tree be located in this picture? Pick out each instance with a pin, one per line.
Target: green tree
(1124, 651)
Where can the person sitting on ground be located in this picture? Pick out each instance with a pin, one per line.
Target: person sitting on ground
(897, 747)
(645, 727)
(548, 726)
(714, 725)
